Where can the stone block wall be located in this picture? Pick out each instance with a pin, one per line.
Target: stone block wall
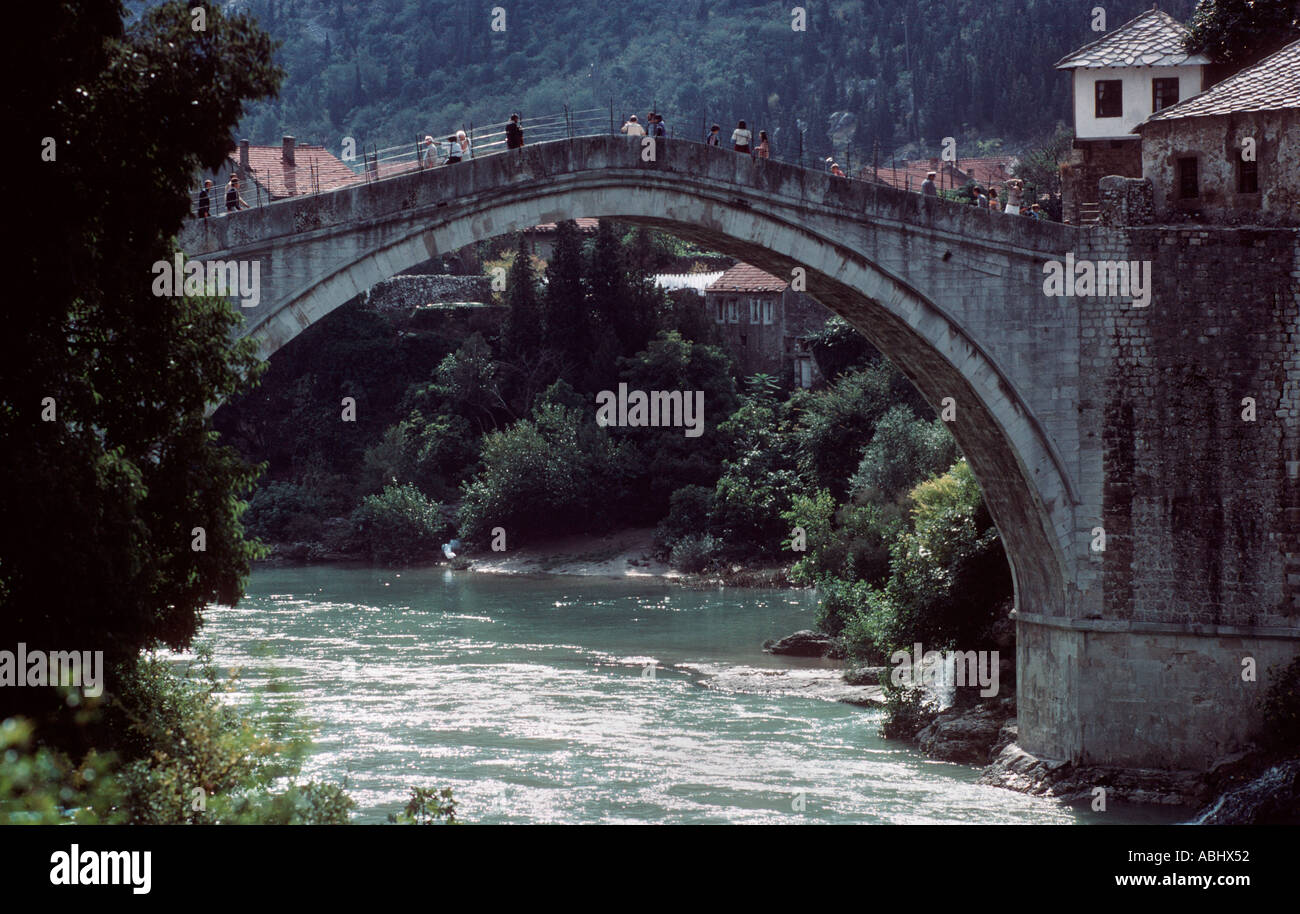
(1200, 504)
(406, 292)
(1216, 143)
(1195, 498)
(1090, 161)
(1126, 201)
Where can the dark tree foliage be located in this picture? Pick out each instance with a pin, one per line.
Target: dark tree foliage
(863, 72)
(566, 329)
(100, 504)
(1241, 32)
(522, 333)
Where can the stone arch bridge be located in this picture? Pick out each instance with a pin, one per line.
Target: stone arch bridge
(1075, 412)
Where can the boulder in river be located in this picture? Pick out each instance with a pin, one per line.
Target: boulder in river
(805, 643)
(966, 735)
(1273, 798)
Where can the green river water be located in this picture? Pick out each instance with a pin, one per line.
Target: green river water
(530, 696)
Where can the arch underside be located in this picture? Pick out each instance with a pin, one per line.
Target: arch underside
(1008, 450)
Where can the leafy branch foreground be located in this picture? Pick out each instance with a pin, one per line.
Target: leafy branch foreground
(185, 758)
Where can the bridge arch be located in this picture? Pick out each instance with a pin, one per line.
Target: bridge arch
(921, 279)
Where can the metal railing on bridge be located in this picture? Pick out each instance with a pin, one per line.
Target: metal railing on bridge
(380, 163)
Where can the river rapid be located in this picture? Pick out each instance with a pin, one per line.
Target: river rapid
(573, 700)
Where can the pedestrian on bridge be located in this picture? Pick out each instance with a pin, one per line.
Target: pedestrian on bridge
(632, 128)
(234, 201)
(715, 136)
(1015, 194)
(764, 148)
(205, 203)
(514, 133)
(741, 138)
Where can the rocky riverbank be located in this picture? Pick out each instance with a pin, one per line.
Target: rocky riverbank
(626, 553)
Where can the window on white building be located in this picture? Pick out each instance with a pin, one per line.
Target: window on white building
(767, 310)
(733, 311)
(1109, 98)
(721, 308)
(753, 310)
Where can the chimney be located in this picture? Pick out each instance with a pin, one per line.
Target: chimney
(288, 150)
(243, 158)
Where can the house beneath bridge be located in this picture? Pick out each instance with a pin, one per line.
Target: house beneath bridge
(765, 323)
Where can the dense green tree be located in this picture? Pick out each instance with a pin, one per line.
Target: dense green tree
(111, 465)
(521, 336)
(838, 423)
(672, 459)
(566, 324)
(903, 452)
(1241, 32)
(555, 472)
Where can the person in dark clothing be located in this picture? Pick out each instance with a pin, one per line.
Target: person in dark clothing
(233, 200)
(715, 136)
(205, 201)
(514, 133)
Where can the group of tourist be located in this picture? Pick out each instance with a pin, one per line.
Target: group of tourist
(234, 201)
(742, 138)
(435, 153)
(987, 198)
(458, 148)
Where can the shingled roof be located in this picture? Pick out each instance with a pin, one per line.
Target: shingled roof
(745, 278)
(1272, 84)
(1152, 39)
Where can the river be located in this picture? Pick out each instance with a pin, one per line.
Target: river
(576, 700)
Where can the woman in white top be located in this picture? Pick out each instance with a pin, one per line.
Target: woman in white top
(1015, 194)
(632, 128)
(740, 138)
(463, 142)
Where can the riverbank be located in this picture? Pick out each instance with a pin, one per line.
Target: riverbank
(627, 553)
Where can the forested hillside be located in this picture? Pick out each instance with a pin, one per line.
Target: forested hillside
(388, 71)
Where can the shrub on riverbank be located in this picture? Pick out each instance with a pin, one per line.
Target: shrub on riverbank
(176, 755)
(400, 525)
(556, 472)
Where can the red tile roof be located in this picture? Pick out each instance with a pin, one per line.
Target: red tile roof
(745, 278)
(314, 169)
(909, 175)
(989, 169)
